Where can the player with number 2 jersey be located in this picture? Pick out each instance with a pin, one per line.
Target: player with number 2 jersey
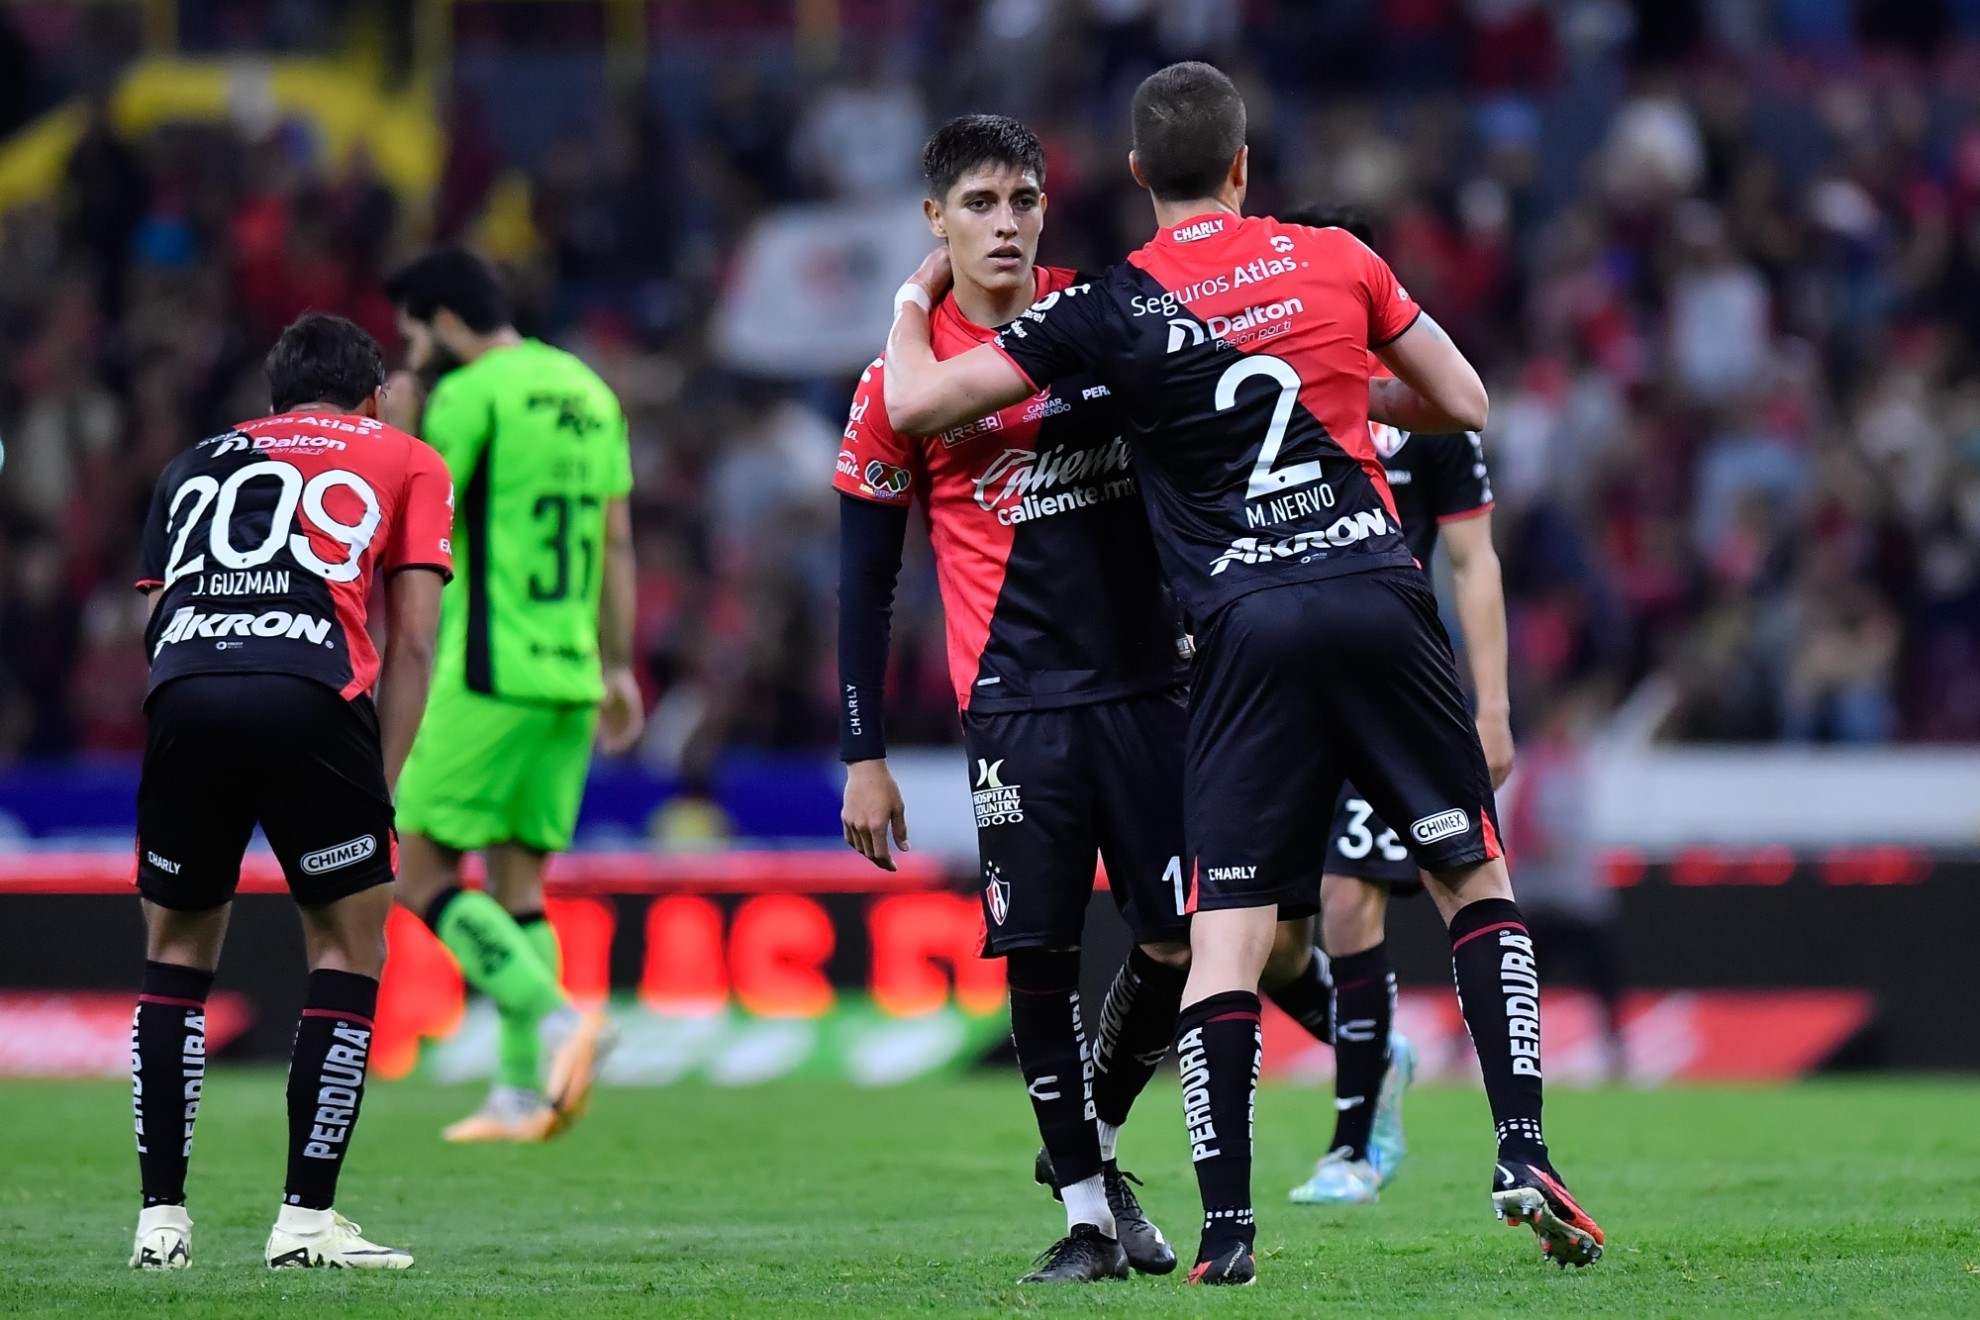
(1239, 348)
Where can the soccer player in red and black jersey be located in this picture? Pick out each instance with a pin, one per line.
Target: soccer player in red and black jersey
(259, 556)
(1345, 996)
(1239, 349)
(1065, 649)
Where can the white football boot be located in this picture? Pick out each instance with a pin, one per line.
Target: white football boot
(164, 1239)
(323, 1239)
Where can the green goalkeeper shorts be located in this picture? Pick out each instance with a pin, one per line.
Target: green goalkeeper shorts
(486, 771)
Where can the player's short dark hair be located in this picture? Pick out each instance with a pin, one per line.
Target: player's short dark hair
(1188, 125)
(323, 359)
(456, 279)
(969, 141)
(1331, 217)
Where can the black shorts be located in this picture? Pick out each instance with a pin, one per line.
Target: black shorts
(1298, 689)
(1053, 790)
(227, 752)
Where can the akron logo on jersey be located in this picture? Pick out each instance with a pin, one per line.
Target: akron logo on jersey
(996, 802)
(996, 893)
(187, 623)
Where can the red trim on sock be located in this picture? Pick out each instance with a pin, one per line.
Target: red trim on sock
(169, 1002)
(1355, 985)
(339, 1014)
(1239, 1016)
(1462, 940)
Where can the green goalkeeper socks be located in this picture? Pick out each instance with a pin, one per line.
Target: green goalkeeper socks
(542, 937)
(501, 961)
(519, 1050)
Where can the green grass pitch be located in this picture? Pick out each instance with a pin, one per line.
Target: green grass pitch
(792, 1200)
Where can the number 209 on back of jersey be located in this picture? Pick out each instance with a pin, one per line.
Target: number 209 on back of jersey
(264, 542)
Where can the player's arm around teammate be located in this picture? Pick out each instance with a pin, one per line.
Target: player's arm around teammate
(1209, 476)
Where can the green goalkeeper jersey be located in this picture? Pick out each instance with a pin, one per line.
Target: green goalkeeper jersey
(536, 443)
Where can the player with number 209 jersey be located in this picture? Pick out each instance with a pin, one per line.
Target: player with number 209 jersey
(259, 556)
(1240, 349)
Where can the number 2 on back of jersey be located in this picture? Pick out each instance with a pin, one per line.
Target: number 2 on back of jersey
(1266, 480)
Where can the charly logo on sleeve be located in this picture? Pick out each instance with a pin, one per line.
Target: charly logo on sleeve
(996, 802)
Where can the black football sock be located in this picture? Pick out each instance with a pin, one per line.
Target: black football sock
(1218, 1048)
(326, 1082)
(1499, 990)
(1364, 1010)
(1052, 1054)
(168, 1071)
(1308, 999)
(1137, 1025)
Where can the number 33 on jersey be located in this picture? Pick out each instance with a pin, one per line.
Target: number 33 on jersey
(264, 542)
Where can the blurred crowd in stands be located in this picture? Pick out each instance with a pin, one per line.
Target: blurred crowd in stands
(1719, 261)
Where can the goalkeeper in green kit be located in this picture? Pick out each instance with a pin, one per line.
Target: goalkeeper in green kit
(534, 663)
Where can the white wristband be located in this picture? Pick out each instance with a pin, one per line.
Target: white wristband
(911, 293)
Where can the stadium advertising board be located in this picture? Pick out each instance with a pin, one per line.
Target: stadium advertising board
(744, 967)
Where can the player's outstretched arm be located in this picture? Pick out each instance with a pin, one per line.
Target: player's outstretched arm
(622, 714)
(925, 396)
(1481, 607)
(1436, 389)
(412, 619)
(870, 539)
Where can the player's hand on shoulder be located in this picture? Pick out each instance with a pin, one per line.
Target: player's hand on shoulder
(1495, 735)
(934, 274)
(873, 805)
(622, 714)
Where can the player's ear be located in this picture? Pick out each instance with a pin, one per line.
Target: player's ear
(1134, 168)
(933, 210)
(1241, 169)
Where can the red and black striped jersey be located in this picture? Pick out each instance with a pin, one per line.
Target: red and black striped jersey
(1048, 575)
(264, 541)
(1238, 350)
